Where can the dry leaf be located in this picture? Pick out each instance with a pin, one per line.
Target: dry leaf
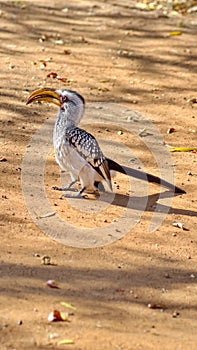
(192, 100)
(47, 215)
(104, 81)
(183, 149)
(174, 33)
(67, 52)
(170, 131)
(143, 133)
(57, 41)
(66, 342)
(178, 224)
(62, 79)
(192, 9)
(52, 75)
(56, 316)
(43, 64)
(156, 306)
(69, 306)
(52, 284)
(103, 89)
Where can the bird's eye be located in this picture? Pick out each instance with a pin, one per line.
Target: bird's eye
(65, 99)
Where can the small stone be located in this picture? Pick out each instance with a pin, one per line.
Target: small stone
(46, 260)
(20, 322)
(53, 335)
(4, 196)
(4, 325)
(3, 159)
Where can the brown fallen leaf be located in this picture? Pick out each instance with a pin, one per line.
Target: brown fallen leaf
(52, 284)
(192, 100)
(67, 52)
(56, 316)
(52, 75)
(64, 80)
(43, 64)
(156, 306)
(170, 130)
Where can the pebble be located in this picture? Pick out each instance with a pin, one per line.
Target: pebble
(175, 314)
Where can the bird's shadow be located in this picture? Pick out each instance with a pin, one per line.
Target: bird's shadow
(147, 203)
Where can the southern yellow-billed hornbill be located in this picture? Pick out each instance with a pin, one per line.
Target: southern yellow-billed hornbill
(77, 151)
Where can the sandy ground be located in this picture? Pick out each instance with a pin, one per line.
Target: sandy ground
(109, 52)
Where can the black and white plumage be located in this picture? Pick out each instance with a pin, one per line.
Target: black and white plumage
(88, 148)
(77, 151)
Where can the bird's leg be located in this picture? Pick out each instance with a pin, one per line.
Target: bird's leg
(65, 188)
(77, 195)
(99, 186)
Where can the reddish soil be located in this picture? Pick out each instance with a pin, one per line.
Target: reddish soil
(110, 52)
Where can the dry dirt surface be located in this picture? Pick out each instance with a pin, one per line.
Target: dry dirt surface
(139, 292)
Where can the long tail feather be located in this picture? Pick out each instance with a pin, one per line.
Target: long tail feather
(142, 176)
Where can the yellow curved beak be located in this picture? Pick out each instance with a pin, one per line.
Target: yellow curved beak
(45, 94)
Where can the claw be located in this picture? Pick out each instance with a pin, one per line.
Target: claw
(65, 188)
(77, 195)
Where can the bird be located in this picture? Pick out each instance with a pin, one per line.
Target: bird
(78, 152)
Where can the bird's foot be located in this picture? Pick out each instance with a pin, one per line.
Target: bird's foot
(65, 188)
(77, 195)
(56, 188)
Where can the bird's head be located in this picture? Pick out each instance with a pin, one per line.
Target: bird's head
(68, 101)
